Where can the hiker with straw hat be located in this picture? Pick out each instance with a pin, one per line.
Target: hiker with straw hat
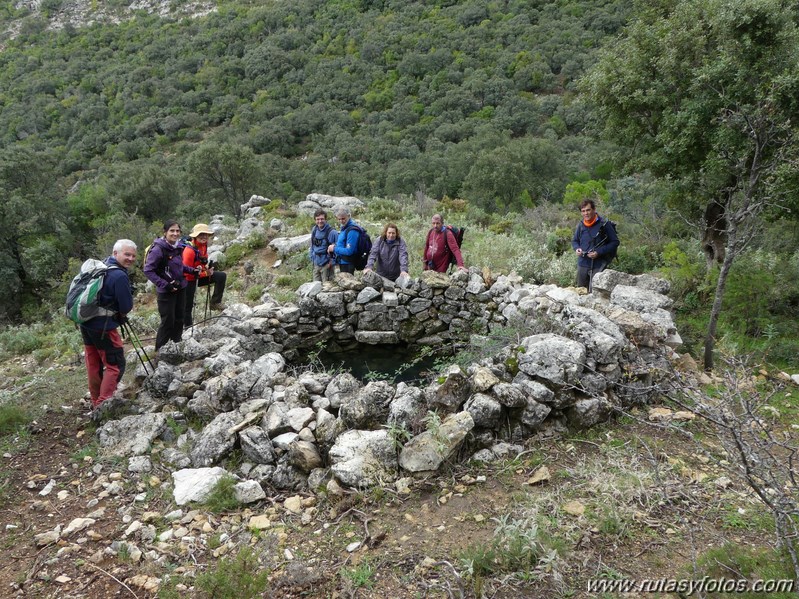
(195, 255)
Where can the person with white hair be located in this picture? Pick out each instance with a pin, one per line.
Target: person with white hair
(102, 344)
(346, 246)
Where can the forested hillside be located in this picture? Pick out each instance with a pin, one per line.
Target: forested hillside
(472, 100)
(376, 98)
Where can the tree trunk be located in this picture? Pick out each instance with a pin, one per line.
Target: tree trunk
(710, 339)
(715, 236)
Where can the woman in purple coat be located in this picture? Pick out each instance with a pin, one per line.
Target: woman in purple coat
(164, 267)
(390, 253)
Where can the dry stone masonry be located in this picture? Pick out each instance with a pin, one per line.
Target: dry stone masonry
(577, 358)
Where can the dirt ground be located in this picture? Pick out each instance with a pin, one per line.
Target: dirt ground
(412, 545)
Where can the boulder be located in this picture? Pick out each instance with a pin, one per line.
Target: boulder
(552, 358)
(428, 450)
(363, 458)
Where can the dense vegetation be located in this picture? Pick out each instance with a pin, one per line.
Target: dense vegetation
(109, 128)
(467, 100)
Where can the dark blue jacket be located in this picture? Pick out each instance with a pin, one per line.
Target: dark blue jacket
(604, 241)
(320, 239)
(347, 243)
(115, 295)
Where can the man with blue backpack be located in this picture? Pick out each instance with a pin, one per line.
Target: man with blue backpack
(353, 244)
(595, 242)
(322, 237)
(105, 357)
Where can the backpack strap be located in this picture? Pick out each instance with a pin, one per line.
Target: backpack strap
(448, 229)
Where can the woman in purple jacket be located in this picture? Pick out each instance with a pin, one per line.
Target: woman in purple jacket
(164, 267)
(390, 253)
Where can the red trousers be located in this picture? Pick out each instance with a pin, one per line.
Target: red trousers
(105, 362)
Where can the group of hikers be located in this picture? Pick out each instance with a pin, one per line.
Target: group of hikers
(388, 256)
(594, 241)
(177, 266)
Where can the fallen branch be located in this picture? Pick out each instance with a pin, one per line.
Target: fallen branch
(127, 588)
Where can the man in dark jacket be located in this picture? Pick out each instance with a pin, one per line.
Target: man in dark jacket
(105, 357)
(322, 237)
(594, 242)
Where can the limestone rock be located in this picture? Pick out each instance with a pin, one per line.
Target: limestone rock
(248, 491)
(256, 445)
(286, 246)
(552, 358)
(453, 391)
(133, 435)
(428, 450)
(363, 458)
(368, 408)
(195, 484)
(215, 440)
(484, 410)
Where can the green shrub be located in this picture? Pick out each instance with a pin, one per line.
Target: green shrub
(456, 205)
(747, 562)
(235, 578)
(20, 340)
(636, 259)
(223, 497)
(501, 227)
(234, 253)
(682, 267)
(254, 293)
(385, 211)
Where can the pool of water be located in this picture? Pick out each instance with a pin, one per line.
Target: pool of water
(396, 363)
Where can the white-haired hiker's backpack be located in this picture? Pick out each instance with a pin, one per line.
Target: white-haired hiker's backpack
(83, 297)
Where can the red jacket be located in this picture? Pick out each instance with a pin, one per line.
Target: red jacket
(191, 258)
(437, 250)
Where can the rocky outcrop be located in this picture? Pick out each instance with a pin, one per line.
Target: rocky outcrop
(315, 201)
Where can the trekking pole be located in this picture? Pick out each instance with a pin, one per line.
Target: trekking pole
(137, 346)
(207, 311)
(591, 276)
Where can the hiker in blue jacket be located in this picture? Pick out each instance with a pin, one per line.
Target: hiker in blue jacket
(322, 237)
(346, 245)
(105, 357)
(593, 243)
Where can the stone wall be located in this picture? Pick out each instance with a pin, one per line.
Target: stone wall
(581, 357)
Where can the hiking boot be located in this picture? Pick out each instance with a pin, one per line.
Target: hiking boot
(219, 306)
(107, 409)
